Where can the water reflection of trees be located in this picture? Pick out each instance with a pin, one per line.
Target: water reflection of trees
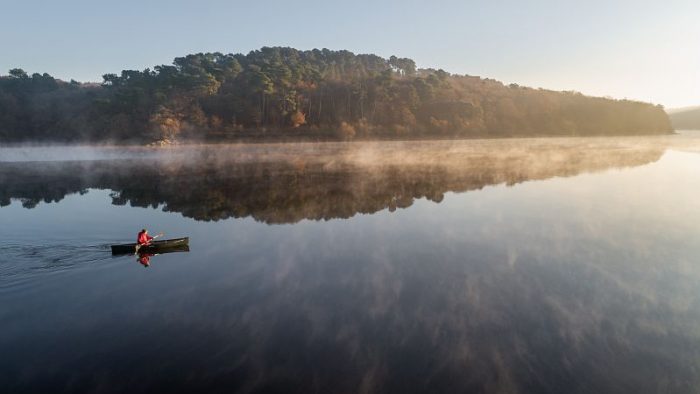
(339, 184)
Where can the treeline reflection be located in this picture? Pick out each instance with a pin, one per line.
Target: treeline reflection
(211, 185)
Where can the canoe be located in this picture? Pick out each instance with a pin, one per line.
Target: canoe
(165, 245)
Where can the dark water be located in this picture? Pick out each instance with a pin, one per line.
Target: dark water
(517, 266)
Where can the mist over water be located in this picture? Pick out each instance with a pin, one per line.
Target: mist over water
(510, 266)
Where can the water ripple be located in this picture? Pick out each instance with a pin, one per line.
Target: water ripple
(22, 263)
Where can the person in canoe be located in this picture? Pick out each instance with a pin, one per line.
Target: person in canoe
(143, 239)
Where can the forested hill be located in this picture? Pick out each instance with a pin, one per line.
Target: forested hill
(288, 93)
(688, 119)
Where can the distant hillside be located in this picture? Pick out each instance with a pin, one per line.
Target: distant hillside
(685, 119)
(291, 94)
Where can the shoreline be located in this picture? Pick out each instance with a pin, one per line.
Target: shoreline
(284, 140)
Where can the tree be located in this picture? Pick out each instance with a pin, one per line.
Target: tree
(297, 119)
(165, 124)
(18, 73)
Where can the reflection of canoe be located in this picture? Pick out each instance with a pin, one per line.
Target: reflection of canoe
(164, 246)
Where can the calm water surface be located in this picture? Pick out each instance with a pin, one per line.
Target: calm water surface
(515, 266)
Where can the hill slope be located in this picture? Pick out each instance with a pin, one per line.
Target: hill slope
(688, 119)
(322, 94)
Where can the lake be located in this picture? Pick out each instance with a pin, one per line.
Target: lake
(561, 265)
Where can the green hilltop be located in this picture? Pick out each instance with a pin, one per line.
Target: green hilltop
(285, 93)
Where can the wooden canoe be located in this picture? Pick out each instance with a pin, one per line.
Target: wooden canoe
(166, 245)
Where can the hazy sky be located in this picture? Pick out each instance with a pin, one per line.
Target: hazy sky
(645, 50)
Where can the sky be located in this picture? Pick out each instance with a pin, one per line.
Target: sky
(641, 50)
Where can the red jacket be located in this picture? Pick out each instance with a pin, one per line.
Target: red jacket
(143, 238)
